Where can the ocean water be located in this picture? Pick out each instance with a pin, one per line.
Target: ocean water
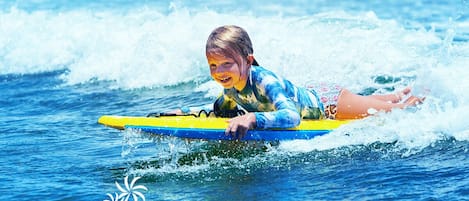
(63, 64)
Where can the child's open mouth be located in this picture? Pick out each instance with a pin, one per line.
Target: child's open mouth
(225, 80)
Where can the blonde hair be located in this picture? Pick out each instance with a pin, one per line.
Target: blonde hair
(230, 40)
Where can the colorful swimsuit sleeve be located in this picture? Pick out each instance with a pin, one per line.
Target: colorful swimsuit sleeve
(285, 114)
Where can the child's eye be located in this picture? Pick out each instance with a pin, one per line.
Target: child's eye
(227, 65)
(224, 65)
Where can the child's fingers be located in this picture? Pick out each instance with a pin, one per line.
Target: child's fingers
(231, 130)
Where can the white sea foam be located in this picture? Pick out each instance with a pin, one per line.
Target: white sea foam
(144, 48)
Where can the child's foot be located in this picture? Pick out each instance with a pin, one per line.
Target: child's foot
(413, 100)
(398, 96)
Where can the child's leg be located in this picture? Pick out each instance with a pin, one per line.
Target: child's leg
(394, 98)
(353, 106)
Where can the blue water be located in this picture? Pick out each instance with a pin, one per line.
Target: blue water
(63, 64)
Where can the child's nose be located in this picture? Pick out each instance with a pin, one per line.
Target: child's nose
(218, 69)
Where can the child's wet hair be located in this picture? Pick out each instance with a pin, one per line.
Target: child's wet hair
(230, 40)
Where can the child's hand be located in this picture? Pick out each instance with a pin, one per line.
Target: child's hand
(176, 112)
(239, 126)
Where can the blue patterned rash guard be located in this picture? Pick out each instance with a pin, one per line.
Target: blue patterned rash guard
(275, 101)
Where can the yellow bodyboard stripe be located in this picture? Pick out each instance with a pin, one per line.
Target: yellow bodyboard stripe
(120, 122)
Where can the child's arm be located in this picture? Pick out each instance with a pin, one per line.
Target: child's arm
(285, 115)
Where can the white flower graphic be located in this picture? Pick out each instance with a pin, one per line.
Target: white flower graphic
(129, 191)
(112, 197)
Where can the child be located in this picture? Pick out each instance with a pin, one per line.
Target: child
(274, 102)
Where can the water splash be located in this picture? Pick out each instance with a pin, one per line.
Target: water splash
(146, 48)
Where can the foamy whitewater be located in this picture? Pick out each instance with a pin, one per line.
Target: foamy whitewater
(64, 64)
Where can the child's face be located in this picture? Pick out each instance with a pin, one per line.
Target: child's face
(226, 71)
